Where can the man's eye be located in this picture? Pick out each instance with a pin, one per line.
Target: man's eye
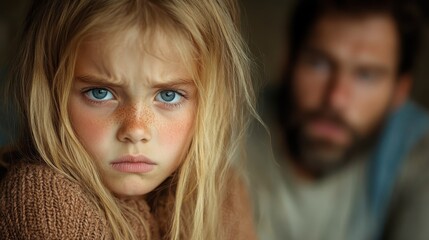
(365, 75)
(319, 64)
(169, 97)
(99, 94)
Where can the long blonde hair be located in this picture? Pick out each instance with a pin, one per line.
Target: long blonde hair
(43, 74)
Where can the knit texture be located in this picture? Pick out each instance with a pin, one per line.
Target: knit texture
(38, 203)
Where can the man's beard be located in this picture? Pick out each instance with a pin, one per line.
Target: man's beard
(321, 157)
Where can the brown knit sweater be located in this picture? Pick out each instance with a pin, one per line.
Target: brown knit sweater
(38, 203)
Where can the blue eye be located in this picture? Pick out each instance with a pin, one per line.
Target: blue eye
(168, 96)
(99, 94)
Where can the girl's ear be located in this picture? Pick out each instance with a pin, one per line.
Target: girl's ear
(402, 90)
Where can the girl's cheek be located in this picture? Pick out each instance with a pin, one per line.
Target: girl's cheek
(175, 138)
(88, 125)
(176, 133)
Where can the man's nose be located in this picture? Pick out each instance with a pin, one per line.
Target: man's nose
(339, 91)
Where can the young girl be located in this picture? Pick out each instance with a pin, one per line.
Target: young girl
(133, 116)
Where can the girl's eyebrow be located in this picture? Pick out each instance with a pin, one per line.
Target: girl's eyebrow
(173, 83)
(101, 81)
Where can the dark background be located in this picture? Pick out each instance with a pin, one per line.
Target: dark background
(264, 27)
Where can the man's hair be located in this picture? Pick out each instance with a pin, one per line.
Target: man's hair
(405, 15)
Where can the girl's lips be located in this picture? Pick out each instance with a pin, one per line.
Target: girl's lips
(133, 164)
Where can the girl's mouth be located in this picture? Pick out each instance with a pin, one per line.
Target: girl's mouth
(133, 164)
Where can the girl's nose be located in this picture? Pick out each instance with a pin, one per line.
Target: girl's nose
(135, 125)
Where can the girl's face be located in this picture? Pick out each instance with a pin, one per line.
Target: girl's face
(133, 108)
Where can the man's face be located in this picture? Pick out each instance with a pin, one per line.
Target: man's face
(343, 84)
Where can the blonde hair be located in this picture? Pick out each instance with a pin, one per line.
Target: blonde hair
(43, 76)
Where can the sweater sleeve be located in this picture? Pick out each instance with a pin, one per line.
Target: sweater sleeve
(38, 203)
(238, 212)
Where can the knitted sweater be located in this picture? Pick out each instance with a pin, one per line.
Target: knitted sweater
(39, 203)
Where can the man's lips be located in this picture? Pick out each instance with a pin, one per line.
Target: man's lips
(328, 130)
(133, 164)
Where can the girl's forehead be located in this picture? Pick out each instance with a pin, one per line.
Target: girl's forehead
(164, 43)
(133, 51)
